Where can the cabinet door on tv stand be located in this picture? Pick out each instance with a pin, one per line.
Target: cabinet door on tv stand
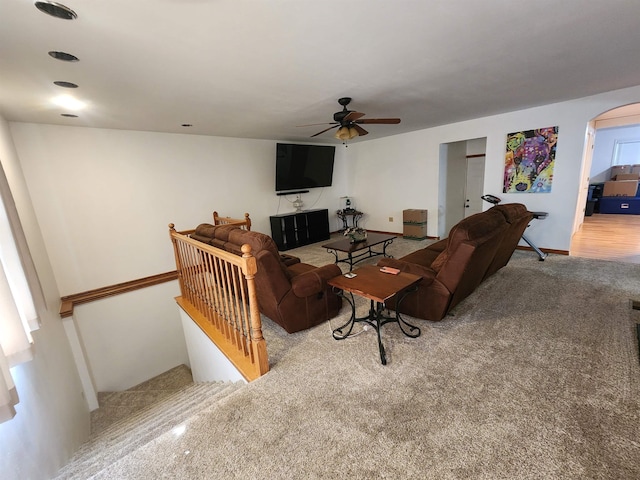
(283, 232)
(277, 231)
(318, 225)
(290, 228)
(302, 229)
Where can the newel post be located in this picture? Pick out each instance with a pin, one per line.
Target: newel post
(174, 242)
(258, 344)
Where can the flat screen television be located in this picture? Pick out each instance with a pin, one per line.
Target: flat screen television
(303, 166)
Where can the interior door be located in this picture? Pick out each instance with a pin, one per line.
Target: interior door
(474, 185)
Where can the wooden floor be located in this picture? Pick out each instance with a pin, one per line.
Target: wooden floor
(608, 237)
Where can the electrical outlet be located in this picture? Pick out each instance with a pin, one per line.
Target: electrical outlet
(391, 219)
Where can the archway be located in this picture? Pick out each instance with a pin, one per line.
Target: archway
(604, 236)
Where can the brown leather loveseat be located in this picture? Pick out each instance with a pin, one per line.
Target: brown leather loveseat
(293, 294)
(452, 268)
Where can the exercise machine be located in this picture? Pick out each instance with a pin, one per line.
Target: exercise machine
(536, 215)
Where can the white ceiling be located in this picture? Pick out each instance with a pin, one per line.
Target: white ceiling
(259, 68)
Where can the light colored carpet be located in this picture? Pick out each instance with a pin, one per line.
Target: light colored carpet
(536, 376)
(131, 419)
(116, 406)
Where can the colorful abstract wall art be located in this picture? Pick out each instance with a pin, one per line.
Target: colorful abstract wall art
(530, 157)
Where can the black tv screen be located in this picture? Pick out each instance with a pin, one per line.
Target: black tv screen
(303, 166)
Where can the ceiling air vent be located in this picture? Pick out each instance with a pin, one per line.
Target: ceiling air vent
(65, 84)
(56, 10)
(65, 57)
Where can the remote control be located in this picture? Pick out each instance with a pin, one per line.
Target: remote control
(391, 270)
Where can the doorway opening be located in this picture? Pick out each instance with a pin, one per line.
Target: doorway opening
(612, 139)
(462, 166)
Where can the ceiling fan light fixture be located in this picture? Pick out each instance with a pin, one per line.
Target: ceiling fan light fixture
(347, 122)
(57, 10)
(343, 133)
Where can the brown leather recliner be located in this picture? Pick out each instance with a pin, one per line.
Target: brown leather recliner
(295, 295)
(452, 268)
(218, 236)
(518, 218)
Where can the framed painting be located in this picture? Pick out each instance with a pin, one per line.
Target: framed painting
(529, 161)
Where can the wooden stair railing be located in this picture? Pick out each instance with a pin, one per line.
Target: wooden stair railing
(218, 292)
(67, 303)
(244, 223)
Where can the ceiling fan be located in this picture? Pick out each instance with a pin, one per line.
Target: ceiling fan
(348, 122)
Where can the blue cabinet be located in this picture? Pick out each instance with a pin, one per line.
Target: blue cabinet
(625, 205)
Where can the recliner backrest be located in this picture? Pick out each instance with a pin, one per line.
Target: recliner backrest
(273, 279)
(471, 247)
(518, 218)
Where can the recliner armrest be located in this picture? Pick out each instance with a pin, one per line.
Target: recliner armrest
(428, 275)
(289, 259)
(314, 281)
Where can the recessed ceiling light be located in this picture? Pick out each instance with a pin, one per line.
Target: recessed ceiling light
(68, 115)
(56, 10)
(65, 57)
(68, 102)
(65, 84)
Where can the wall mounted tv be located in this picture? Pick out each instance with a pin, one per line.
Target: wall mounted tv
(303, 166)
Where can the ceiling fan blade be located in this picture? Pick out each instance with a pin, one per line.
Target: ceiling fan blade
(315, 124)
(325, 130)
(351, 116)
(361, 131)
(379, 120)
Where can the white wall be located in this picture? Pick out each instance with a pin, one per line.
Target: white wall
(405, 167)
(52, 417)
(104, 199)
(208, 362)
(132, 337)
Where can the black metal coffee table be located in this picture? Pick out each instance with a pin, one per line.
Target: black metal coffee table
(364, 247)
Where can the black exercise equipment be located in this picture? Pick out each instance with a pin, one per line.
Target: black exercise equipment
(537, 215)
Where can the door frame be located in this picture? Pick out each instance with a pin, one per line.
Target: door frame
(452, 180)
